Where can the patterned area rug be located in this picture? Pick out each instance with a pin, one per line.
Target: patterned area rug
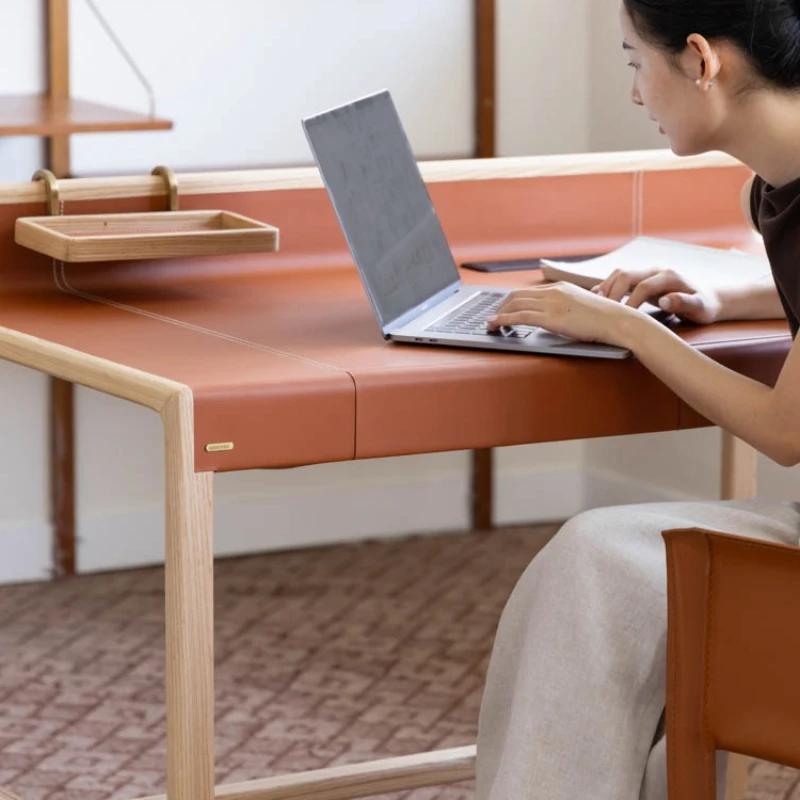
(324, 657)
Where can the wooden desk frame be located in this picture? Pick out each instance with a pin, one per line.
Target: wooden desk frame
(189, 521)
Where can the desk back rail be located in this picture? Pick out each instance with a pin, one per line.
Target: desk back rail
(266, 180)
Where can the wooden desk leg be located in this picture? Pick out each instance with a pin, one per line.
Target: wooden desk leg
(189, 585)
(482, 489)
(62, 424)
(737, 777)
(739, 482)
(62, 476)
(485, 24)
(739, 469)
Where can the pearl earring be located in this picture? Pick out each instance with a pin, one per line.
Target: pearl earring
(699, 82)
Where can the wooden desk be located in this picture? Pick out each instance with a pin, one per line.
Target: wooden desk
(280, 357)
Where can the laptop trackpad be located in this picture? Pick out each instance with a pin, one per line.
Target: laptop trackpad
(542, 337)
(529, 335)
(539, 336)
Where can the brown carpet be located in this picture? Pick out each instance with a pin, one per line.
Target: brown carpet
(324, 657)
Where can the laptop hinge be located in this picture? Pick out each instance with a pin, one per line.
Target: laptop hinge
(420, 309)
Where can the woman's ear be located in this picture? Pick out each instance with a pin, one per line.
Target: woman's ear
(705, 58)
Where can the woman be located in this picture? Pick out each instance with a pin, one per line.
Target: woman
(575, 693)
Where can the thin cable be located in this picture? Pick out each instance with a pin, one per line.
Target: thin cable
(125, 54)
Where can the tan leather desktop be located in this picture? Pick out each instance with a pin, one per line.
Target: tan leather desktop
(280, 356)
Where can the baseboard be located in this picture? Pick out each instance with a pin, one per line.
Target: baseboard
(332, 514)
(524, 496)
(329, 515)
(26, 552)
(252, 524)
(602, 488)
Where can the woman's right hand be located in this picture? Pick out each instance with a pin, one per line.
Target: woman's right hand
(664, 288)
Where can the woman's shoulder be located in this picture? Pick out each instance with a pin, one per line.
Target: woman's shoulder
(770, 204)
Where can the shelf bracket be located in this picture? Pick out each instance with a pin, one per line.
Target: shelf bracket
(52, 196)
(172, 185)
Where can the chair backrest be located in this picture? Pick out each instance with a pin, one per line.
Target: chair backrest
(733, 655)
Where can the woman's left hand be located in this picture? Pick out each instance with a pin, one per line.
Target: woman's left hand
(565, 309)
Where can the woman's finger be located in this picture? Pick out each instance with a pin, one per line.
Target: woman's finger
(532, 318)
(652, 288)
(533, 291)
(513, 308)
(620, 287)
(604, 286)
(521, 296)
(625, 283)
(520, 304)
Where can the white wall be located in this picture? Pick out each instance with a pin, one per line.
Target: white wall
(562, 86)
(238, 93)
(21, 70)
(543, 74)
(240, 75)
(615, 123)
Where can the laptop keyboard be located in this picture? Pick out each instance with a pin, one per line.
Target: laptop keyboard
(470, 318)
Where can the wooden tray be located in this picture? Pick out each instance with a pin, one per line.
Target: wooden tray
(157, 234)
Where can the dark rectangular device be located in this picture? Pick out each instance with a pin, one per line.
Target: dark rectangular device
(514, 264)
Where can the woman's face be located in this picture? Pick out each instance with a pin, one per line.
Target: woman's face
(667, 88)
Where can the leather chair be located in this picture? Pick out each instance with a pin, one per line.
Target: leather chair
(733, 655)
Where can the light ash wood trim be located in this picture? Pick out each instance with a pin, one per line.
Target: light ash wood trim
(106, 376)
(266, 180)
(189, 609)
(739, 469)
(737, 778)
(358, 780)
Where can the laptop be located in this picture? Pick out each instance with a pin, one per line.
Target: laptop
(398, 244)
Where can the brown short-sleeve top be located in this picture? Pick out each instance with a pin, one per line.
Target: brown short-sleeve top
(776, 214)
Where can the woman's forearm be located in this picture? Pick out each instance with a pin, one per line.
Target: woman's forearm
(730, 400)
(752, 301)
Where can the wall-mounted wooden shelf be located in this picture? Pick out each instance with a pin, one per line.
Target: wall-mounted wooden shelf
(42, 115)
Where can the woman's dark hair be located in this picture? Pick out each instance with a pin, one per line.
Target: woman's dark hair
(768, 31)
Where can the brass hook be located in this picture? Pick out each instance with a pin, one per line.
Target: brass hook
(172, 185)
(50, 189)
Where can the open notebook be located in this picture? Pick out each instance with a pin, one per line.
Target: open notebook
(707, 265)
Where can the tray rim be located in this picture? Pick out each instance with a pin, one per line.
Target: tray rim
(40, 222)
(62, 245)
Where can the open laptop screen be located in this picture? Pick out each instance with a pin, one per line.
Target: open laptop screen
(382, 203)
